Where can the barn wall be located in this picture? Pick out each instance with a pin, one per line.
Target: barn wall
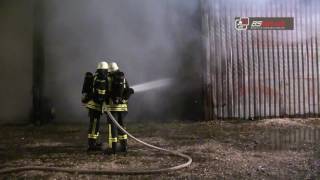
(269, 73)
(15, 60)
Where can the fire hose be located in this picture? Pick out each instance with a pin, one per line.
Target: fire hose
(110, 172)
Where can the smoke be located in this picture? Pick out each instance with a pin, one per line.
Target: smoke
(149, 39)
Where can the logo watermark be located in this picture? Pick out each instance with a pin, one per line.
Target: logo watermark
(264, 23)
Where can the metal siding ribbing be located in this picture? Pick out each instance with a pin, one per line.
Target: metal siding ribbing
(258, 74)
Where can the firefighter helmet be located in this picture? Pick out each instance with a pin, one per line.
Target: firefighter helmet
(113, 67)
(103, 65)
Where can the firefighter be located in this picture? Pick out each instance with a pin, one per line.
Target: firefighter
(118, 106)
(94, 94)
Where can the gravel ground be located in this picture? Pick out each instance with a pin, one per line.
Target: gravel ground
(264, 149)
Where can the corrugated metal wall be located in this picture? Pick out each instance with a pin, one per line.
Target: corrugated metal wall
(257, 74)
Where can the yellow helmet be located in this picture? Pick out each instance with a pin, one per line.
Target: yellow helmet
(103, 65)
(113, 67)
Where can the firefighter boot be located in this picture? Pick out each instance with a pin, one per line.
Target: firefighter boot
(124, 146)
(123, 142)
(93, 145)
(112, 139)
(114, 148)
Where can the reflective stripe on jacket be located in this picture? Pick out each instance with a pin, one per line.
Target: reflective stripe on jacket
(115, 107)
(93, 105)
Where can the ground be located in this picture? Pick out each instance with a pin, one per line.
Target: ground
(263, 149)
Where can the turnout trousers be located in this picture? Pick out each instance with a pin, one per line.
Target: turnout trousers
(117, 140)
(93, 131)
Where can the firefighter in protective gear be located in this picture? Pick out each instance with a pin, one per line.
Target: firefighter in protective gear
(117, 104)
(94, 94)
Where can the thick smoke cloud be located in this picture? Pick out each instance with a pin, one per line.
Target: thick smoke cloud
(149, 40)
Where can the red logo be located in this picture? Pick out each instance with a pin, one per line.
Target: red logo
(242, 23)
(264, 23)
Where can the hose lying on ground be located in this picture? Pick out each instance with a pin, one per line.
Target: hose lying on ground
(109, 172)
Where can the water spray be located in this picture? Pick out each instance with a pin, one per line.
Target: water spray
(161, 83)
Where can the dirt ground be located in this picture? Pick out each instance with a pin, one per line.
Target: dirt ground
(264, 149)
